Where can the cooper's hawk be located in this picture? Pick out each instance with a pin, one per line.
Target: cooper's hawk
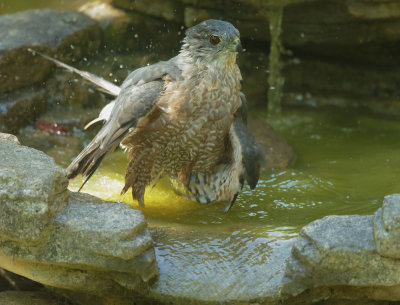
(177, 118)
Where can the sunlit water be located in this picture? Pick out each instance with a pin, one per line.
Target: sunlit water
(346, 163)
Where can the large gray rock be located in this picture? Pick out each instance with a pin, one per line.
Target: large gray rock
(340, 251)
(68, 240)
(68, 34)
(387, 227)
(32, 192)
(216, 268)
(87, 238)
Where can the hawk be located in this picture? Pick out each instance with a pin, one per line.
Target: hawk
(183, 118)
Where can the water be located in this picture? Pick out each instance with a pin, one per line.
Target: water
(346, 163)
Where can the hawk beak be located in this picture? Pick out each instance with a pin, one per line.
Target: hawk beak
(237, 45)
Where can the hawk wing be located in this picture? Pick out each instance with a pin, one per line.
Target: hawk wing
(139, 94)
(168, 69)
(149, 73)
(252, 152)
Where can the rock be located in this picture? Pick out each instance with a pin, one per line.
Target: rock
(21, 106)
(305, 22)
(29, 297)
(134, 31)
(340, 251)
(169, 10)
(70, 35)
(9, 137)
(253, 65)
(251, 20)
(65, 90)
(32, 192)
(61, 148)
(315, 25)
(387, 227)
(319, 41)
(68, 240)
(116, 24)
(325, 37)
(64, 34)
(309, 82)
(374, 10)
(210, 267)
(278, 152)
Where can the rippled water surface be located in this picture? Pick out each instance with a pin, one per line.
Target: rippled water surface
(346, 163)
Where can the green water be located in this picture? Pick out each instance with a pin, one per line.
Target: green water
(346, 163)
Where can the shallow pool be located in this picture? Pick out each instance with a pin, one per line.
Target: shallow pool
(346, 163)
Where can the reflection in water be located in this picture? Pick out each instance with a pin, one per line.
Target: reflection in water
(346, 169)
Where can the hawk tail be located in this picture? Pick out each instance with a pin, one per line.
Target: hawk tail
(87, 162)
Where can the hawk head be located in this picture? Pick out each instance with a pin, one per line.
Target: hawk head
(212, 39)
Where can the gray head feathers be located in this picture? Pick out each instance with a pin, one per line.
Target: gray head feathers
(211, 37)
(212, 27)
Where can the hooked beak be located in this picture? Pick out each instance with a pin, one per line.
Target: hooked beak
(237, 45)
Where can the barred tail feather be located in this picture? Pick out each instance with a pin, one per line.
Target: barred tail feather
(87, 162)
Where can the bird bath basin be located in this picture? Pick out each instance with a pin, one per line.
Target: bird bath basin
(346, 163)
(336, 156)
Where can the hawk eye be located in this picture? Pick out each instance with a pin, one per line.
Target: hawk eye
(214, 40)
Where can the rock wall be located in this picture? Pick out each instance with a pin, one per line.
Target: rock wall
(68, 240)
(336, 52)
